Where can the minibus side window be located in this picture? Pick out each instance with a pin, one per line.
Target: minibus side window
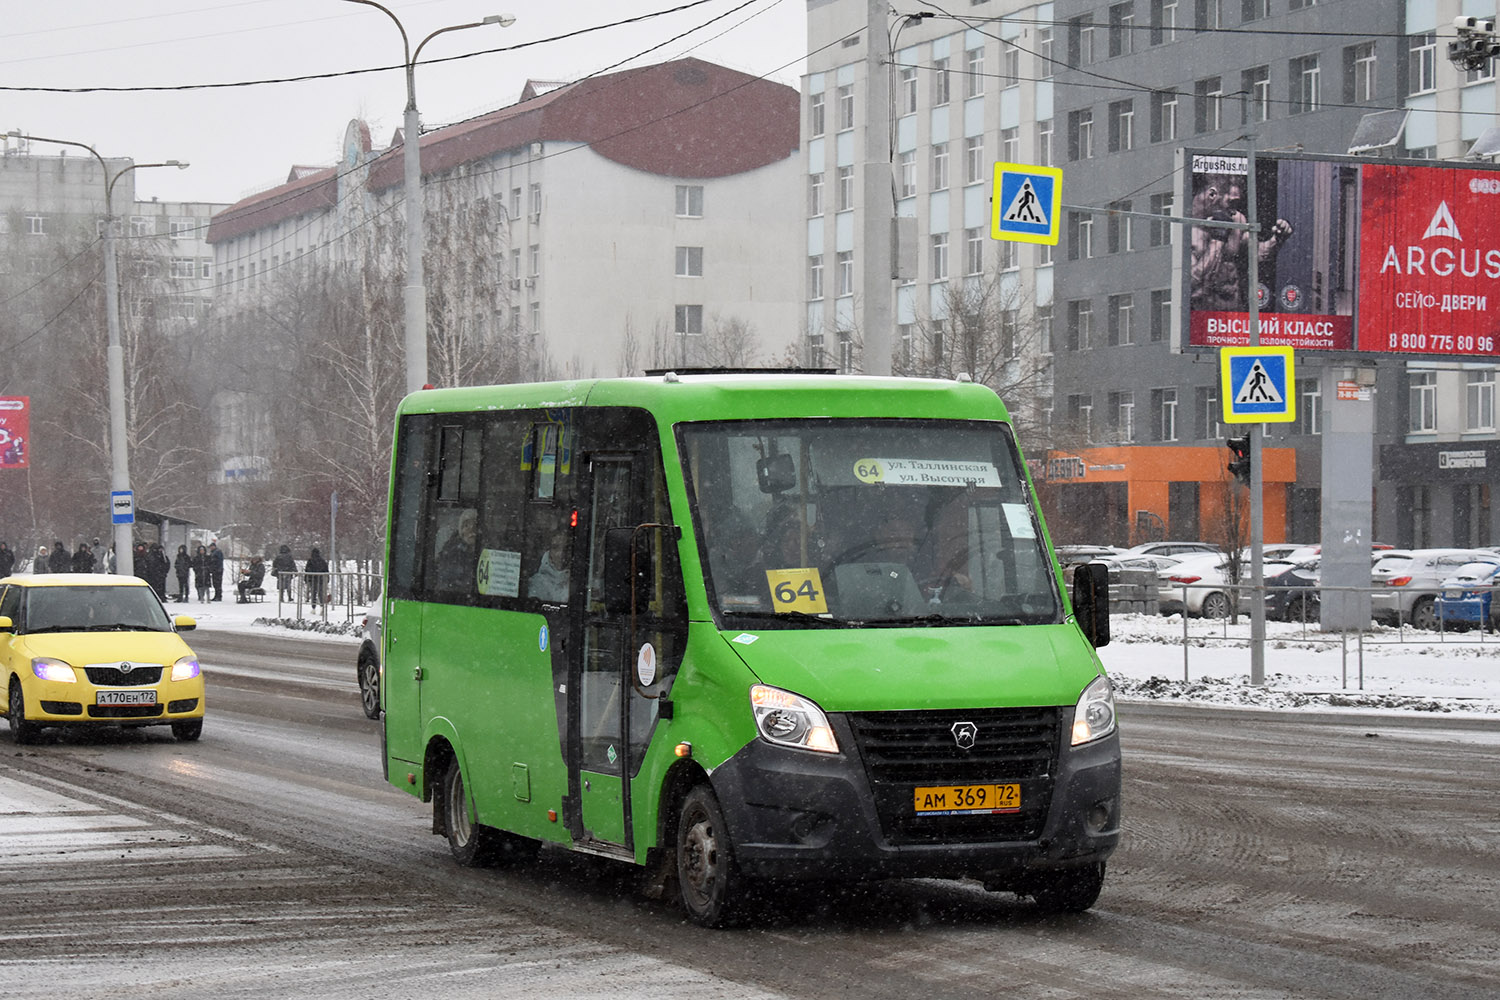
(415, 440)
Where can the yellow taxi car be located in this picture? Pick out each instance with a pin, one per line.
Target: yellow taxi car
(95, 649)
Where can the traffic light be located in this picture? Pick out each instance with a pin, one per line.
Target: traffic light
(1240, 465)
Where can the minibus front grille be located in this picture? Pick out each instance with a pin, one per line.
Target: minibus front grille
(906, 750)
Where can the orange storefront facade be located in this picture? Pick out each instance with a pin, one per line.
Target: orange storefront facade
(1139, 493)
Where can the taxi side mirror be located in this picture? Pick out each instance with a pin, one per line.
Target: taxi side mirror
(6, 625)
(185, 623)
(1091, 601)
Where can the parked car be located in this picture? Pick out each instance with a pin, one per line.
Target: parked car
(1276, 552)
(1073, 555)
(1204, 578)
(1468, 597)
(1408, 582)
(1292, 590)
(368, 671)
(90, 649)
(1178, 549)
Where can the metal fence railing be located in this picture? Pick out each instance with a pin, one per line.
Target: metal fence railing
(341, 595)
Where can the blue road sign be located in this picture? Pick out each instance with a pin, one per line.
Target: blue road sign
(1026, 203)
(1257, 385)
(122, 507)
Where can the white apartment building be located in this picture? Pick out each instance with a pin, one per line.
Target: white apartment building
(967, 91)
(640, 215)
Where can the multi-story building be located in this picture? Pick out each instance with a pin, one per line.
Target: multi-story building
(636, 218)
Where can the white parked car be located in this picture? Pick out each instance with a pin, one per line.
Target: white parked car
(1203, 579)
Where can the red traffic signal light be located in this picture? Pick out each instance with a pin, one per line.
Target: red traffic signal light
(1240, 465)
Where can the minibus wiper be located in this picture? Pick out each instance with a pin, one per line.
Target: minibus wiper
(800, 617)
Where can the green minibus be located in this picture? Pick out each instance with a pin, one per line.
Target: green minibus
(744, 628)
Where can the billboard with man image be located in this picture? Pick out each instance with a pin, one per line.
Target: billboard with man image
(1380, 257)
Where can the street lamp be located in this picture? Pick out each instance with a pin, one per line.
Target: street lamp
(119, 477)
(411, 131)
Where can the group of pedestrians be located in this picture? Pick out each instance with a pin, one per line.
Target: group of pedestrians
(58, 558)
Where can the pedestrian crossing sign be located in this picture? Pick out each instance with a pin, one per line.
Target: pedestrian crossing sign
(1258, 385)
(1025, 203)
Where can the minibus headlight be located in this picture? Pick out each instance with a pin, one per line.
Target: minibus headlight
(1094, 716)
(49, 669)
(790, 720)
(186, 669)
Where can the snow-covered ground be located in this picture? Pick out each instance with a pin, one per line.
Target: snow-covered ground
(1383, 670)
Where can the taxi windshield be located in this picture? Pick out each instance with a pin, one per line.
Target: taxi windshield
(866, 522)
(94, 609)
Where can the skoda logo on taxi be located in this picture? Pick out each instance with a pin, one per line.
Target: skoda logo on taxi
(126, 667)
(965, 734)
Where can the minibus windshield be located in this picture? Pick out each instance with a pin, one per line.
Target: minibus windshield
(818, 521)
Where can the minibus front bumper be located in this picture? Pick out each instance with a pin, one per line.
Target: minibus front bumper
(801, 814)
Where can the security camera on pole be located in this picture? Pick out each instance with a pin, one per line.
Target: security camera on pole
(1475, 45)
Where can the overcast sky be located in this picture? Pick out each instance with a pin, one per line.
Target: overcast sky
(243, 139)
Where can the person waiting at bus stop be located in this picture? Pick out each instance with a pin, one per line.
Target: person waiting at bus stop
(250, 579)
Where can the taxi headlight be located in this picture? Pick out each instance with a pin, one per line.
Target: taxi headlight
(49, 669)
(186, 669)
(1094, 715)
(791, 720)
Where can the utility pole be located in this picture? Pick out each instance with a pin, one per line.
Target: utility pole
(877, 202)
(1257, 471)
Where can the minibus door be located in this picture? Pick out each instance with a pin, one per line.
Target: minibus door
(601, 708)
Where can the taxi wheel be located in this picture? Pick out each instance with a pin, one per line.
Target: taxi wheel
(188, 729)
(1071, 891)
(709, 883)
(21, 731)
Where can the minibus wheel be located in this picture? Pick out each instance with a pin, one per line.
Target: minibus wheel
(473, 844)
(1071, 890)
(709, 883)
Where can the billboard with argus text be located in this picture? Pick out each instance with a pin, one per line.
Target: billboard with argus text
(1374, 256)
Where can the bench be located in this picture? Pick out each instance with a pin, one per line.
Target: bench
(254, 595)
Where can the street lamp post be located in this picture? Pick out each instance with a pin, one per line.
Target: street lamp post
(119, 477)
(416, 237)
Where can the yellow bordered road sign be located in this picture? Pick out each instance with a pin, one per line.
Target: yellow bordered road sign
(1026, 203)
(1257, 385)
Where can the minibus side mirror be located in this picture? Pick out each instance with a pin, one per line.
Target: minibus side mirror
(776, 473)
(1091, 601)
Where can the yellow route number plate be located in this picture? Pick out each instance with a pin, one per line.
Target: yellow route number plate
(956, 800)
(799, 589)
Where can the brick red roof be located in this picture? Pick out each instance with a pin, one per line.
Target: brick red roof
(687, 118)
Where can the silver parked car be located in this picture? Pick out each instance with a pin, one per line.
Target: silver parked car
(1407, 582)
(368, 671)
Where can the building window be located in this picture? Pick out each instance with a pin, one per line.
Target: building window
(534, 201)
(974, 77)
(536, 317)
(1210, 15)
(974, 250)
(36, 225)
(815, 277)
(815, 349)
(1044, 53)
(1479, 397)
(1080, 236)
(1044, 143)
(1163, 21)
(1302, 87)
(815, 122)
(1161, 314)
(536, 259)
(689, 322)
(1122, 415)
(1009, 252)
(1010, 66)
(1121, 126)
(690, 201)
(206, 268)
(1299, 4)
(907, 91)
(939, 166)
(689, 262)
(1255, 95)
(846, 107)
(1043, 254)
(184, 267)
(1254, 10)
(1421, 63)
(1122, 29)
(939, 246)
(1164, 414)
(1121, 323)
(1081, 40)
(142, 225)
(1080, 135)
(941, 82)
(1359, 73)
(844, 263)
(1010, 145)
(1164, 116)
(1081, 415)
(1421, 402)
(1119, 233)
(515, 203)
(843, 195)
(1010, 326)
(1207, 426)
(903, 342)
(974, 159)
(1208, 105)
(1043, 318)
(1161, 232)
(846, 351)
(815, 194)
(183, 229)
(1080, 325)
(1310, 407)
(906, 172)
